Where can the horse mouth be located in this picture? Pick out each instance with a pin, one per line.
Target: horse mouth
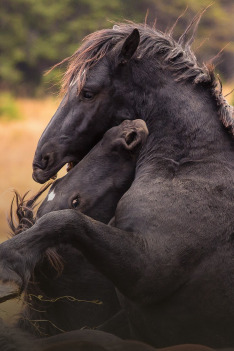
(70, 165)
(42, 175)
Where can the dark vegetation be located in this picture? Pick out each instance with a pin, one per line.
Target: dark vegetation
(34, 35)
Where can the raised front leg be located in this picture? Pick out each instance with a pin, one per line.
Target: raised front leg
(114, 252)
(126, 258)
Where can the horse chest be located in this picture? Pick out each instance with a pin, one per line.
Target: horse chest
(192, 220)
(161, 206)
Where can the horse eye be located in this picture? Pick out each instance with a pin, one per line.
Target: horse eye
(87, 95)
(75, 202)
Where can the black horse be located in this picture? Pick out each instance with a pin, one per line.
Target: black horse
(170, 253)
(79, 296)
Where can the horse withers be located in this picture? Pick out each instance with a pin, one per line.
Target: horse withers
(80, 296)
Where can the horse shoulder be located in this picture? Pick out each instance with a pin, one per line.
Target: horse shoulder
(201, 203)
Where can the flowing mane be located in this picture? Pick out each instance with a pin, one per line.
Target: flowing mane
(25, 211)
(25, 218)
(176, 56)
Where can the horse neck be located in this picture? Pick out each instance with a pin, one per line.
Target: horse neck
(183, 123)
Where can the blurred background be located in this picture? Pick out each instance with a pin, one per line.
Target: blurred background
(36, 34)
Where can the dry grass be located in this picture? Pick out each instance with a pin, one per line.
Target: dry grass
(18, 144)
(228, 89)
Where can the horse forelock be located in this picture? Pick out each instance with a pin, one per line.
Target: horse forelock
(95, 46)
(176, 56)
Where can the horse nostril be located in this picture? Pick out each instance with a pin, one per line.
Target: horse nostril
(43, 161)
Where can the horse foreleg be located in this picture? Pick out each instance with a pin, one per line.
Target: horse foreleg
(119, 255)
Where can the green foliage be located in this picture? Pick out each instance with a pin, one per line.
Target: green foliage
(50, 82)
(36, 34)
(8, 108)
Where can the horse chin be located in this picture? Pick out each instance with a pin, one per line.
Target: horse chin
(71, 165)
(41, 176)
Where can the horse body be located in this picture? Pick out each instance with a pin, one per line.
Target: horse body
(186, 291)
(170, 251)
(181, 203)
(80, 296)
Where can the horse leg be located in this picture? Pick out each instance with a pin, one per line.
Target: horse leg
(128, 259)
(111, 250)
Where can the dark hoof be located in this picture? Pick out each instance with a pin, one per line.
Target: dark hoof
(8, 290)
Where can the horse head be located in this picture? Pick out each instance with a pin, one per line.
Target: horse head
(88, 109)
(128, 72)
(96, 184)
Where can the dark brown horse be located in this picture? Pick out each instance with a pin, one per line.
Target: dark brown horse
(171, 251)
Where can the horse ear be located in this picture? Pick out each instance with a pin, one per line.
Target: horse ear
(134, 139)
(129, 47)
(134, 134)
